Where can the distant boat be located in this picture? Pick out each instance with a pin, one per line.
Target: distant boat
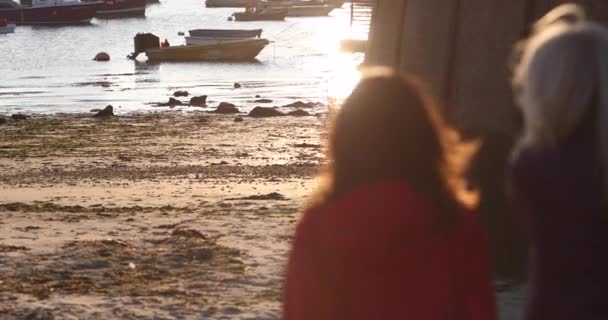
(229, 3)
(48, 11)
(11, 11)
(261, 13)
(210, 36)
(234, 50)
(196, 41)
(226, 33)
(298, 3)
(6, 27)
(309, 10)
(120, 8)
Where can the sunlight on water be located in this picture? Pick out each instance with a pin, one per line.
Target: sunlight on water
(49, 69)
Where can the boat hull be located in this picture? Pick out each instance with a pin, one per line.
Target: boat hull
(226, 33)
(196, 41)
(310, 11)
(276, 15)
(122, 8)
(228, 3)
(68, 14)
(243, 50)
(12, 15)
(8, 29)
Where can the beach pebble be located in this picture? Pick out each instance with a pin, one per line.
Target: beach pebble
(238, 119)
(265, 112)
(108, 111)
(230, 18)
(19, 116)
(299, 113)
(263, 101)
(226, 108)
(237, 85)
(199, 101)
(102, 56)
(258, 96)
(181, 94)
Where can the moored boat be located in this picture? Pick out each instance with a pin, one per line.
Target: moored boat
(233, 50)
(261, 13)
(120, 8)
(236, 50)
(11, 11)
(195, 41)
(45, 12)
(226, 33)
(6, 27)
(310, 10)
(229, 3)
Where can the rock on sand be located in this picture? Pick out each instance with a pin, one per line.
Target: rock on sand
(108, 111)
(198, 101)
(265, 112)
(226, 108)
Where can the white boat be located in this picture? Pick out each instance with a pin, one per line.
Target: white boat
(6, 27)
(310, 10)
(214, 36)
(9, 28)
(194, 41)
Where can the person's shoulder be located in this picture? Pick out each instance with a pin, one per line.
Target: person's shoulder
(532, 164)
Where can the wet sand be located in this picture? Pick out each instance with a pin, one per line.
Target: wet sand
(167, 215)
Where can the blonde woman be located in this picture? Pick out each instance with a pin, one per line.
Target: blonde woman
(559, 173)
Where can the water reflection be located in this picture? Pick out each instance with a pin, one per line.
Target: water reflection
(303, 62)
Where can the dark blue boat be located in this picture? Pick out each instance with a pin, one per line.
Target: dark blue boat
(11, 11)
(49, 12)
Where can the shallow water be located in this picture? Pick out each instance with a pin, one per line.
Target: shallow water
(50, 69)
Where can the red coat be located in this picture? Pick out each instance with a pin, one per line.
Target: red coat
(373, 254)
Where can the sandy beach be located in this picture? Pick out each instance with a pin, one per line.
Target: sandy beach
(169, 215)
(166, 215)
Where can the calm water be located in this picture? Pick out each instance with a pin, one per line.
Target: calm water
(50, 69)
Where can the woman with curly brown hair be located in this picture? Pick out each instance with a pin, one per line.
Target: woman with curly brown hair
(386, 236)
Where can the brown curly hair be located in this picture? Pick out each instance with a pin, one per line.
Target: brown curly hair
(389, 130)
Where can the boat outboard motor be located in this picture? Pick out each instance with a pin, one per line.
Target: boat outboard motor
(143, 42)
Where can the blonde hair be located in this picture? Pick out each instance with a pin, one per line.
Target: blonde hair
(563, 77)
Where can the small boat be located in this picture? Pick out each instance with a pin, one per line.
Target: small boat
(195, 41)
(226, 33)
(11, 11)
(229, 3)
(261, 13)
(6, 27)
(233, 50)
(121, 8)
(44, 12)
(310, 10)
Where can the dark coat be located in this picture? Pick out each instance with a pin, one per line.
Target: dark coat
(559, 191)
